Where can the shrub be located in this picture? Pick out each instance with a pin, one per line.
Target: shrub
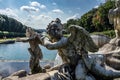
(110, 33)
(11, 34)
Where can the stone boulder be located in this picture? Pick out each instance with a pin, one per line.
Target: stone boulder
(112, 52)
(100, 39)
(38, 76)
(20, 73)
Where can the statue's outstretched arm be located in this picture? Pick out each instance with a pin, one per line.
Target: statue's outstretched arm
(25, 39)
(55, 45)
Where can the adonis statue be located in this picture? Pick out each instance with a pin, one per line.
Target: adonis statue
(114, 18)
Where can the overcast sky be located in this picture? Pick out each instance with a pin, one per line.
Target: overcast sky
(38, 13)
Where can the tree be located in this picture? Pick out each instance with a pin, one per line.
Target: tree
(95, 20)
(11, 25)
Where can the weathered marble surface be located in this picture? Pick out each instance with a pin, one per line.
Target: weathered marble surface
(112, 52)
(112, 49)
(34, 50)
(38, 76)
(114, 18)
(100, 40)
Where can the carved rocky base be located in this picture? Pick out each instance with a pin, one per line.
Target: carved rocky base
(38, 76)
(112, 53)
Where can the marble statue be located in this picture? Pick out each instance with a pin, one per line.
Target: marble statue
(34, 50)
(73, 50)
(112, 48)
(114, 17)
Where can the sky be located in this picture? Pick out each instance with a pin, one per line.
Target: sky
(39, 13)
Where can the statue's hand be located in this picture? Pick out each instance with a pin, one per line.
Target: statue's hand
(42, 36)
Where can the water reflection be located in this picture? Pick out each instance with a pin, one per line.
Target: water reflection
(18, 51)
(14, 57)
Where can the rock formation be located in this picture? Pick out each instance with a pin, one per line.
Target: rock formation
(112, 49)
(100, 39)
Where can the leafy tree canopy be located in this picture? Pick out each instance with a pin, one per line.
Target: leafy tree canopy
(96, 20)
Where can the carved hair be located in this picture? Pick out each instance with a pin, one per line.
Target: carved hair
(30, 32)
(54, 24)
(117, 3)
(54, 29)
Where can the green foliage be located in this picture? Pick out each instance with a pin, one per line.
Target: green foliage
(11, 34)
(70, 22)
(96, 20)
(100, 19)
(86, 21)
(110, 33)
(11, 25)
(11, 28)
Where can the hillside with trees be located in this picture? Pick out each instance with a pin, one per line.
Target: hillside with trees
(10, 27)
(96, 20)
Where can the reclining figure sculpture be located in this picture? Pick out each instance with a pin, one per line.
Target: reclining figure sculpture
(114, 18)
